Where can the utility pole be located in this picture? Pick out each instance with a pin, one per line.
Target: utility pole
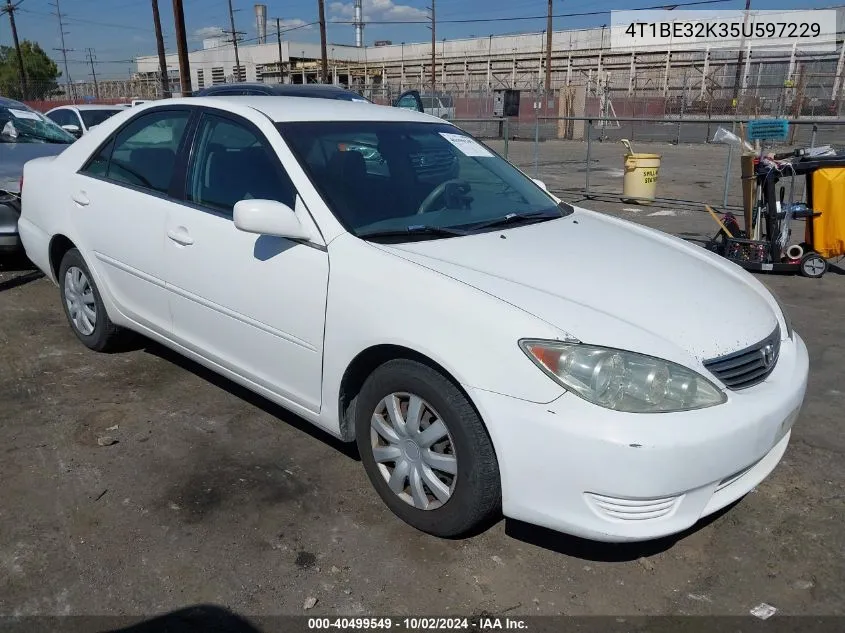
(549, 51)
(739, 58)
(235, 42)
(10, 9)
(433, 50)
(94, 73)
(64, 51)
(182, 47)
(279, 40)
(162, 61)
(324, 61)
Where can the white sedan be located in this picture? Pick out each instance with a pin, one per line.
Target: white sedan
(80, 119)
(382, 274)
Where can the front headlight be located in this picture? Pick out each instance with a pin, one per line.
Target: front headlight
(620, 380)
(785, 314)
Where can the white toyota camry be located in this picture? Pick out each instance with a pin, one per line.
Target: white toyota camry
(382, 274)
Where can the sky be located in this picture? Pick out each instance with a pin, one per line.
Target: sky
(119, 30)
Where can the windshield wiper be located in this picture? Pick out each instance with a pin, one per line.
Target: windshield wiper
(416, 230)
(518, 218)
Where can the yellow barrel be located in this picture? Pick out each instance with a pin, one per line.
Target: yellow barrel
(639, 184)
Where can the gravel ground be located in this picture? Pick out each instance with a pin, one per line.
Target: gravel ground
(211, 495)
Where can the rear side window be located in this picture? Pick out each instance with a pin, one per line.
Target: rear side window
(143, 153)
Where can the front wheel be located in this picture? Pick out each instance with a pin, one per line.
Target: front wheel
(426, 451)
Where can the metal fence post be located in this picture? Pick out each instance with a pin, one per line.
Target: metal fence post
(813, 137)
(536, 145)
(589, 151)
(681, 114)
(728, 169)
(506, 134)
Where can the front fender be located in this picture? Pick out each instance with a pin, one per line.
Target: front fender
(377, 298)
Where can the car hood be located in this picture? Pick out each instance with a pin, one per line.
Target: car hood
(13, 157)
(609, 282)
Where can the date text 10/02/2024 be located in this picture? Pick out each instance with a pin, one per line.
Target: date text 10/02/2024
(478, 623)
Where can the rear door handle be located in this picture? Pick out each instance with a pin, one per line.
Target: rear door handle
(81, 199)
(180, 236)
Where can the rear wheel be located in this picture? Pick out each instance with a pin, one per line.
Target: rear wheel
(84, 307)
(426, 451)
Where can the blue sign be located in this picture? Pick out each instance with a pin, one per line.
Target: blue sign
(768, 130)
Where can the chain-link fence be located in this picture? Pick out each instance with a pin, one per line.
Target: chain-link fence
(693, 171)
(45, 95)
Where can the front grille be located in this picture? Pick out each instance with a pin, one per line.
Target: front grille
(632, 509)
(749, 366)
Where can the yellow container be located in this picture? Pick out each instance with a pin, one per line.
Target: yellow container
(639, 184)
(828, 194)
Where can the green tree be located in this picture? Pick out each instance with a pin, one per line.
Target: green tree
(41, 72)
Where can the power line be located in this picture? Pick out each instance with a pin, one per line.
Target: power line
(65, 50)
(534, 17)
(92, 22)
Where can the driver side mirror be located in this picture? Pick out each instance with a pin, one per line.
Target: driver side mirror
(268, 217)
(73, 129)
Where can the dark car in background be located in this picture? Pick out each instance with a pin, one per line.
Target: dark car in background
(24, 134)
(314, 91)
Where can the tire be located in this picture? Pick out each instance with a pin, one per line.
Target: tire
(813, 265)
(104, 336)
(474, 491)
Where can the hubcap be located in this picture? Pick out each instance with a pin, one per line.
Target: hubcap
(814, 266)
(79, 297)
(414, 451)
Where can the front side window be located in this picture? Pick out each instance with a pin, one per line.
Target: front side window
(408, 102)
(232, 162)
(143, 153)
(395, 176)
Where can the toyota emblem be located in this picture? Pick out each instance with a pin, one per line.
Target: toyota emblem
(768, 354)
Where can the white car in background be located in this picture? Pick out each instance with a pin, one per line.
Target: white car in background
(79, 119)
(458, 323)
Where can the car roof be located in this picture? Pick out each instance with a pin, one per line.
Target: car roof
(11, 103)
(316, 90)
(283, 109)
(86, 106)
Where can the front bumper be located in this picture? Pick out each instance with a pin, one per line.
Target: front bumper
(578, 468)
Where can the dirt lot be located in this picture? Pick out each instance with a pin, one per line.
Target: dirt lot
(212, 495)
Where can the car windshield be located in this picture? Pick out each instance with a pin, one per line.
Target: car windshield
(95, 117)
(379, 177)
(19, 124)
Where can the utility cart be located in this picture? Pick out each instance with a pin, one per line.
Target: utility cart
(769, 242)
(769, 251)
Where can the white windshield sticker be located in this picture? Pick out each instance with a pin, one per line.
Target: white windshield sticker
(24, 114)
(467, 145)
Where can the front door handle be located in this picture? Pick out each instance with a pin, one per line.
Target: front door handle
(180, 236)
(81, 199)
